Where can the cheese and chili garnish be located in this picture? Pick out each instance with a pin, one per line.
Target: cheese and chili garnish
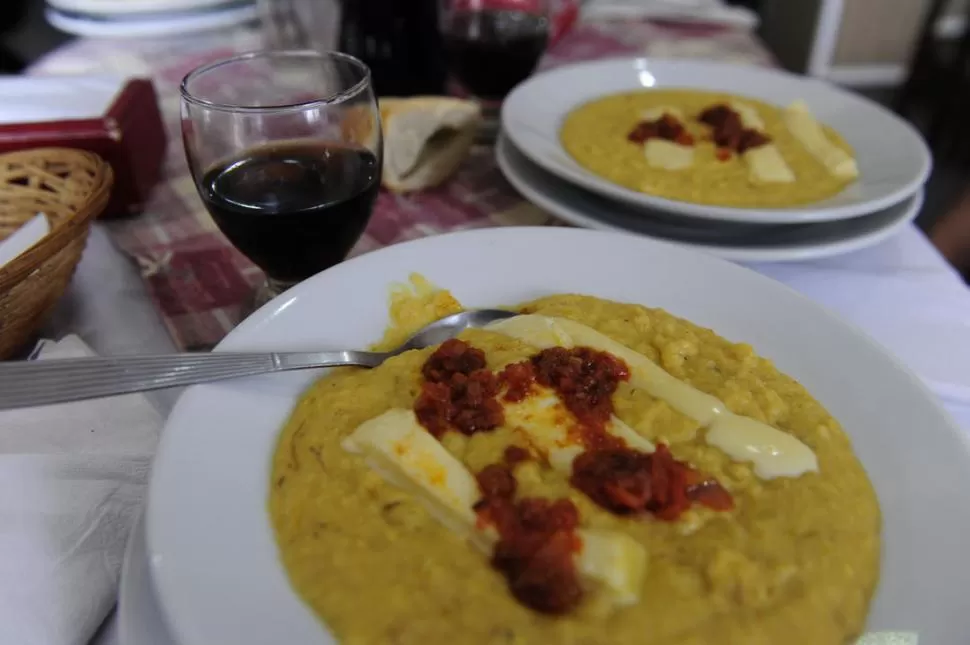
(666, 142)
(737, 130)
(559, 403)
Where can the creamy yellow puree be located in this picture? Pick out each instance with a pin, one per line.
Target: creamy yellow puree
(795, 562)
(595, 134)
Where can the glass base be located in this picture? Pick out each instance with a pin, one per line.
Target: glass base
(268, 290)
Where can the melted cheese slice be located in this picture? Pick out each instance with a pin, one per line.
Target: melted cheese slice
(611, 565)
(741, 438)
(765, 163)
(809, 132)
(749, 115)
(663, 154)
(668, 155)
(655, 113)
(401, 451)
(767, 166)
(773, 453)
(543, 421)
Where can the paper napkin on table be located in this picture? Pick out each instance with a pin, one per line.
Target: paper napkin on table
(72, 480)
(23, 238)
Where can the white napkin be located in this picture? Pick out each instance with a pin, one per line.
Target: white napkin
(28, 99)
(72, 479)
(23, 238)
(702, 11)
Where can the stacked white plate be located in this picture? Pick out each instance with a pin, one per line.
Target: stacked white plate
(894, 163)
(146, 18)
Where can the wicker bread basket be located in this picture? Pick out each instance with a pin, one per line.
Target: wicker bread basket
(72, 188)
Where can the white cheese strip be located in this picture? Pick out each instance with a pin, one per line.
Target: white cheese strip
(545, 423)
(767, 166)
(749, 115)
(655, 113)
(765, 163)
(401, 451)
(395, 445)
(791, 457)
(613, 564)
(773, 453)
(809, 132)
(668, 155)
(663, 154)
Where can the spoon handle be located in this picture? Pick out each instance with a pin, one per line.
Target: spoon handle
(30, 383)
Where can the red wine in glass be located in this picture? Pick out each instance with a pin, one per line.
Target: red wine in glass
(294, 209)
(490, 51)
(285, 150)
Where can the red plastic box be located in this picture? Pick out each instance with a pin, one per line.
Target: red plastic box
(129, 135)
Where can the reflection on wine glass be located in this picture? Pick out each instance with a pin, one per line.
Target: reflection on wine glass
(493, 45)
(285, 149)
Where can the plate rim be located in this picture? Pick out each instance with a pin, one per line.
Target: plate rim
(129, 7)
(803, 213)
(130, 27)
(732, 252)
(874, 351)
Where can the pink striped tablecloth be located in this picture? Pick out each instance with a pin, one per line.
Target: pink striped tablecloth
(202, 286)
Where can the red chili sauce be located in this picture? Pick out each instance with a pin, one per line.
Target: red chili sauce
(729, 134)
(537, 540)
(458, 392)
(666, 127)
(585, 379)
(625, 482)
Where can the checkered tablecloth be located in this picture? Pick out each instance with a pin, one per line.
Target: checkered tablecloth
(202, 286)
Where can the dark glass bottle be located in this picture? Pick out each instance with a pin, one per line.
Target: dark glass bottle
(399, 40)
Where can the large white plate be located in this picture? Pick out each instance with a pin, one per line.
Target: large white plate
(211, 546)
(893, 159)
(140, 619)
(731, 241)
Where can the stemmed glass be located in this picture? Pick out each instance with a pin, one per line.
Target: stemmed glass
(285, 149)
(493, 45)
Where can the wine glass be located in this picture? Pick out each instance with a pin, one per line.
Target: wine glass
(493, 45)
(285, 149)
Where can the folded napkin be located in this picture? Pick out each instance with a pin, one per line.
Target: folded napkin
(72, 480)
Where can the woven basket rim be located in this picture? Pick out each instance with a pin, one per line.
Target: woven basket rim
(65, 231)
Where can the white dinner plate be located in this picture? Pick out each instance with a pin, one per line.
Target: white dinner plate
(140, 619)
(731, 241)
(893, 158)
(211, 547)
(134, 26)
(125, 7)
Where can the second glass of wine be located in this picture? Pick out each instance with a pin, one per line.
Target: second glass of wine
(285, 149)
(493, 45)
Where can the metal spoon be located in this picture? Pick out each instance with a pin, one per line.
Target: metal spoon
(30, 383)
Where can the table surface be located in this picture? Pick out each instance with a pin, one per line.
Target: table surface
(901, 292)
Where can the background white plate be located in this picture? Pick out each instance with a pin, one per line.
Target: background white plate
(737, 242)
(893, 159)
(213, 556)
(150, 26)
(121, 7)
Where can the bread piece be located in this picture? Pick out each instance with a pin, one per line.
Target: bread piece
(425, 139)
